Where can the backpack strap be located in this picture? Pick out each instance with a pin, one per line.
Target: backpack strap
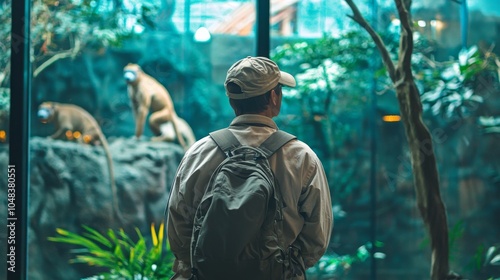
(225, 139)
(275, 142)
(269, 147)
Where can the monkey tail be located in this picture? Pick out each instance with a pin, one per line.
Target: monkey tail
(112, 181)
(188, 133)
(180, 138)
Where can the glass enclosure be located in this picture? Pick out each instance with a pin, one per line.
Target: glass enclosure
(116, 181)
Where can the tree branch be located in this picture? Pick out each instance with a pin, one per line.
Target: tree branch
(406, 41)
(65, 54)
(386, 58)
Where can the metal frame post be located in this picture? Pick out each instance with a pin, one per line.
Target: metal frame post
(19, 131)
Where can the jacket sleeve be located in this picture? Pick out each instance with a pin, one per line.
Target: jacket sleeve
(315, 206)
(180, 219)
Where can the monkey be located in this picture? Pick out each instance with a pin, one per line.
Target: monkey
(147, 94)
(168, 133)
(74, 123)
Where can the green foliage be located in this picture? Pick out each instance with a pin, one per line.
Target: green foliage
(334, 74)
(352, 50)
(4, 99)
(478, 258)
(492, 256)
(327, 65)
(454, 234)
(336, 266)
(324, 70)
(4, 111)
(63, 29)
(486, 258)
(490, 124)
(95, 23)
(449, 87)
(5, 44)
(116, 251)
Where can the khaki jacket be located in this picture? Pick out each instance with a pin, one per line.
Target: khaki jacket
(308, 218)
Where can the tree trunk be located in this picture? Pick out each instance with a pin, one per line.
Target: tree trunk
(425, 173)
(426, 178)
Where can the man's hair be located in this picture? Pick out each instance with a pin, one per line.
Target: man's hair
(252, 105)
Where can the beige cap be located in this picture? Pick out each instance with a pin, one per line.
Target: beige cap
(256, 76)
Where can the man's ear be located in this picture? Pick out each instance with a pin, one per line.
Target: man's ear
(274, 97)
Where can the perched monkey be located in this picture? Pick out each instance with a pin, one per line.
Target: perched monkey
(146, 94)
(70, 119)
(168, 132)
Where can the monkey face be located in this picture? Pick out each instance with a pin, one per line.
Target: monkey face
(45, 112)
(131, 73)
(130, 76)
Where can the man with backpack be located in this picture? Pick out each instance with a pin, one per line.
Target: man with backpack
(250, 201)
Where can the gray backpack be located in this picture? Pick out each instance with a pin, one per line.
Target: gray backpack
(240, 215)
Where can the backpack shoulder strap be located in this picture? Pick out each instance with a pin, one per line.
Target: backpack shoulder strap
(225, 139)
(275, 142)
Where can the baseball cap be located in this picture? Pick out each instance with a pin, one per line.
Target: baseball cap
(256, 76)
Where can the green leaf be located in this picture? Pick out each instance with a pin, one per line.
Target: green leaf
(76, 240)
(490, 253)
(96, 236)
(104, 254)
(495, 260)
(118, 253)
(113, 237)
(126, 238)
(140, 249)
(94, 261)
(139, 234)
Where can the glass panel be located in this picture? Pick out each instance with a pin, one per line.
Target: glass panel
(81, 49)
(331, 110)
(326, 53)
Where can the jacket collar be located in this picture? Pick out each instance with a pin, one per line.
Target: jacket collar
(253, 120)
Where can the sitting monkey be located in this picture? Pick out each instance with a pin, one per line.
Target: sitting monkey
(168, 132)
(70, 119)
(146, 94)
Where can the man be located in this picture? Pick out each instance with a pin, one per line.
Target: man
(253, 85)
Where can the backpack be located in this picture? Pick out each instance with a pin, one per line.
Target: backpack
(240, 215)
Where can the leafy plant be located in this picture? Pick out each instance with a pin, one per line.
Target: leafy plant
(336, 266)
(450, 86)
(493, 256)
(64, 29)
(117, 252)
(490, 124)
(483, 259)
(4, 99)
(325, 69)
(325, 95)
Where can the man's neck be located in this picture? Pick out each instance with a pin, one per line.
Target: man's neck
(267, 113)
